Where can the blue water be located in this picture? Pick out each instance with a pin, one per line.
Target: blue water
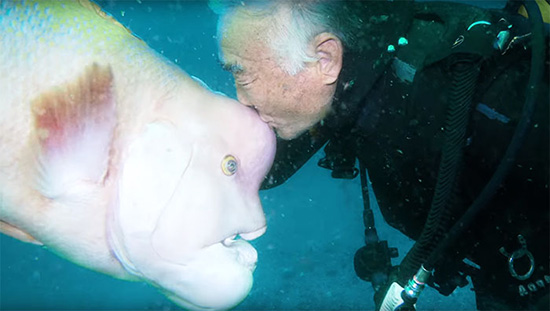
(314, 221)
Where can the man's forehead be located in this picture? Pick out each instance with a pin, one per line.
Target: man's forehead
(238, 25)
(243, 39)
(231, 57)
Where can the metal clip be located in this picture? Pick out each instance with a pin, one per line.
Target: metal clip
(458, 41)
(517, 254)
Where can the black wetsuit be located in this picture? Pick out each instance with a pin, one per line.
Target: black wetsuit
(389, 112)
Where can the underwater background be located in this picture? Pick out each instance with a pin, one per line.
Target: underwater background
(314, 221)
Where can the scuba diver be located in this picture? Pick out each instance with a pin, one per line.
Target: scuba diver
(446, 106)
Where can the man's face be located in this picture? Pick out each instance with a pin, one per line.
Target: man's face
(290, 104)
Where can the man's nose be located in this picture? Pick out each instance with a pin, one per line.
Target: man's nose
(243, 100)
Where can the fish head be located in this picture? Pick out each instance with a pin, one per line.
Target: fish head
(188, 201)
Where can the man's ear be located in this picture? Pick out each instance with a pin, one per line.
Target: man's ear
(329, 50)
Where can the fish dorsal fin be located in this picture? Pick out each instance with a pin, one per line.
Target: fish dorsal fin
(74, 125)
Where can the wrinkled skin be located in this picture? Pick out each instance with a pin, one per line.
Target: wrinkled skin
(118, 161)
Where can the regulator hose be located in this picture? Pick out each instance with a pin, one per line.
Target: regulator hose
(465, 72)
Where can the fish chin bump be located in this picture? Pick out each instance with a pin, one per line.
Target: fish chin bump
(219, 278)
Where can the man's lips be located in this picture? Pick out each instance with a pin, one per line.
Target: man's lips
(267, 120)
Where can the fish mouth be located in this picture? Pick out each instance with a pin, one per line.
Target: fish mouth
(246, 254)
(248, 236)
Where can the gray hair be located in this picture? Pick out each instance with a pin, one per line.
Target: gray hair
(292, 25)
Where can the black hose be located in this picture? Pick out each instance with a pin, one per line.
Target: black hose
(535, 76)
(465, 71)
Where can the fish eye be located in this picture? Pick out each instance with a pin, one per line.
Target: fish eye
(229, 165)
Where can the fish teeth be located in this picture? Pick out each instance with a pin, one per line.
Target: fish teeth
(230, 240)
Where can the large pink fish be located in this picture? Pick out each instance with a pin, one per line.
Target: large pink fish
(117, 160)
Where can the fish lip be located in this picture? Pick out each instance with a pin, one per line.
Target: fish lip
(247, 236)
(252, 235)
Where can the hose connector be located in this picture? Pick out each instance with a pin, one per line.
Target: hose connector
(398, 298)
(417, 283)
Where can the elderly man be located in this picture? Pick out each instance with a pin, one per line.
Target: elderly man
(427, 97)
